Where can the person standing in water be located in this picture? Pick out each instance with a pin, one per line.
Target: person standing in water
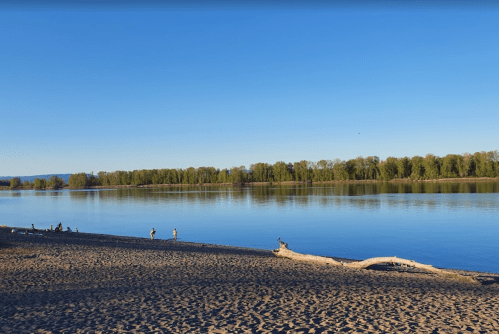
(153, 233)
(175, 234)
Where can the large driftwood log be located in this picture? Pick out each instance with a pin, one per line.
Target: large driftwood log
(284, 251)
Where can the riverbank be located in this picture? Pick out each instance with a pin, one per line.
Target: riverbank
(255, 184)
(80, 283)
(252, 184)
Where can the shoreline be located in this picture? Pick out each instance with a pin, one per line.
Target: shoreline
(85, 282)
(256, 184)
(5, 230)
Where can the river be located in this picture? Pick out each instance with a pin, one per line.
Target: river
(448, 225)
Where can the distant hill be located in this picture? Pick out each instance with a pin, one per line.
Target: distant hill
(65, 177)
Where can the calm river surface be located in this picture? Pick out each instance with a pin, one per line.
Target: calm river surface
(450, 225)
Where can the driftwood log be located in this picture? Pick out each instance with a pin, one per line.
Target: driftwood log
(284, 251)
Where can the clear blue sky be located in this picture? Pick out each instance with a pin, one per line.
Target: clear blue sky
(124, 88)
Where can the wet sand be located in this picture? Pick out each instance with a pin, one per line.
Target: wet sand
(89, 283)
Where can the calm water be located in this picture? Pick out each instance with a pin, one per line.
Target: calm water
(447, 225)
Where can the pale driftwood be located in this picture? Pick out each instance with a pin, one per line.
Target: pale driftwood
(392, 259)
(284, 251)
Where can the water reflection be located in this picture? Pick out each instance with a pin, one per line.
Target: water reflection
(365, 196)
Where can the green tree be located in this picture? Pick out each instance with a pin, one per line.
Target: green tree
(78, 181)
(190, 176)
(104, 178)
(303, 171)
(361, 168)
(432, 167)
(93, 180)
(180, 176)
(494, 156)
(124, 177)
(213, 174)
(55, 182)
(39, 184)
(388, 169)
(450, 166)
(238, 174)
(205, 174)
(223, 176)
(281, 172)
(163, 176)
(418, 170)
(244, 173)
(373, 168)
(154, 176)
(15, 183)
(201, 175)
(323, 171)
(340, 171)
(404, 167)
(486, 163)
(466, 165)
(174, 177)
(350, 167)
(137, 178)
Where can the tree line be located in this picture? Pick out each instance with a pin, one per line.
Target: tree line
(53, 182)
(479, 164)
(430, 167)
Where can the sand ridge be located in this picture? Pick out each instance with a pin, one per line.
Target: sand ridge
(89, 283)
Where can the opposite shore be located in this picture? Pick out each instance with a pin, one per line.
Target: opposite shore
(251, 184)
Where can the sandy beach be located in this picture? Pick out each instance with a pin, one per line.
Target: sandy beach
(90, 283)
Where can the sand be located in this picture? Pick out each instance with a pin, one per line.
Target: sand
(89, 283)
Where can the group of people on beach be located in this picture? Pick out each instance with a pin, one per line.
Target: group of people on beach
(33, 230)
(60, 229)
(153, 234)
